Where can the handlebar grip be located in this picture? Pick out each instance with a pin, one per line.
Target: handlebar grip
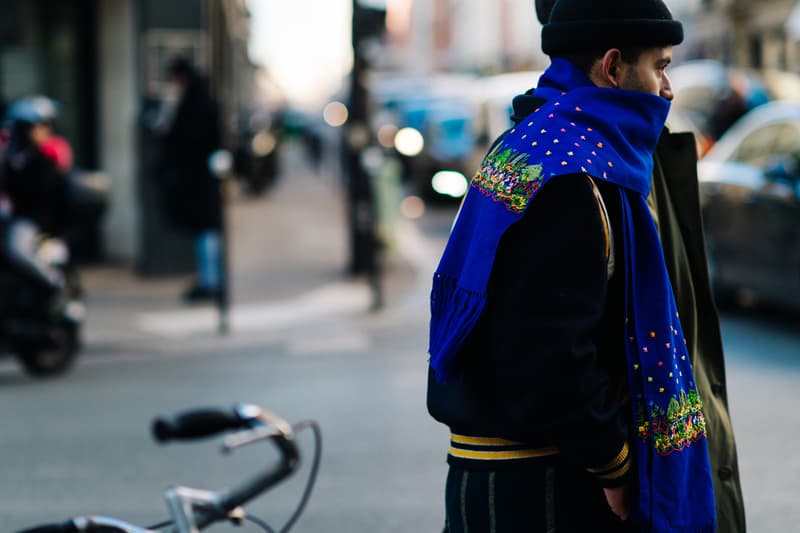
(197, 423)
(64, 527)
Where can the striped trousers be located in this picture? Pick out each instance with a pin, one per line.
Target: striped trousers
(542, 498)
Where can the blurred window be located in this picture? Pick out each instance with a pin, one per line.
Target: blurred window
(759, 145)
(764, 145)
(788, 142)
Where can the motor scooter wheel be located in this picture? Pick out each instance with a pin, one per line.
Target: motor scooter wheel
(54, 359)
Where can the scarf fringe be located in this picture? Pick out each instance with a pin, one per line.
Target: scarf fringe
(454, 312)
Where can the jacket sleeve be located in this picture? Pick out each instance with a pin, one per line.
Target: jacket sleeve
(547, 296)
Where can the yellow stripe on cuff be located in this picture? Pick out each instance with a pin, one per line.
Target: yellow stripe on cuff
(621, 457)
(482, 441)
(616, 474)
(499, 455)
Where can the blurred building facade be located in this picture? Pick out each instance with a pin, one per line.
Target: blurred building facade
(104, 62)
(489, 37)
(463, 35)
(745, 33)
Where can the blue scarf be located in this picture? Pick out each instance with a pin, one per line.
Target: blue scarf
(611, 135)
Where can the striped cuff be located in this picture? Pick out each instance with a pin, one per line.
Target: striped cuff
(494, 449)
(613, 472)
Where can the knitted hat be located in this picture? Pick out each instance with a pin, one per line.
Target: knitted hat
(586, 25)
(543, 8)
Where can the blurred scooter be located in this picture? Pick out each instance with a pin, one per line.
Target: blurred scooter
(41, 311)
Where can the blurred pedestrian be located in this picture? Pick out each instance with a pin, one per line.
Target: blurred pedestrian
(729, 107)
(558, 356)
(189, 132)
(35, 186)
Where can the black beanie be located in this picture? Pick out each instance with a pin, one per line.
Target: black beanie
(543, 8)
(589, 25)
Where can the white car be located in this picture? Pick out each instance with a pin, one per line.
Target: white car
(750, 192)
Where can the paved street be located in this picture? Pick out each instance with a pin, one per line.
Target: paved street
(304, 345)
(763, 358)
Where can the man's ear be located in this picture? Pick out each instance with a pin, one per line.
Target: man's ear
(611, 67)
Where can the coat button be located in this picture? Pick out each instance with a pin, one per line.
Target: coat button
(717, 389)
(725, 473)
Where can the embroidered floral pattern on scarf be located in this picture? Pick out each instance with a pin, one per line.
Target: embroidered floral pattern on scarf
(506, 177)
(679, 427)
(675, 424)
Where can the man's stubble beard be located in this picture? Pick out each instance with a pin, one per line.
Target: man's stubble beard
(632, 82)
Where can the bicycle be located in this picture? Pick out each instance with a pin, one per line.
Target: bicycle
(192, 510)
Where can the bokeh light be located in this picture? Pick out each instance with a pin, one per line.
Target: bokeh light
(263, 143)
(412, 207)
(409, 142)
(335, 114)
(386, 135)
(450, 183)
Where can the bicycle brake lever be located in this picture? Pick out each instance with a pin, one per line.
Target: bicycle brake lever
(281, 425)
(252, 412)
(243, 438)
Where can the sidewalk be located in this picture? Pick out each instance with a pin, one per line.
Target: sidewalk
(288, 256)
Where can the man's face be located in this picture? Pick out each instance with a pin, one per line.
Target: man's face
(648, 74)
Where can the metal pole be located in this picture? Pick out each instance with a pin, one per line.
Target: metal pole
(363, 242)
(223, 297)
(219, 67)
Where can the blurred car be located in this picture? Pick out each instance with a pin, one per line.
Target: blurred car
(497, 96)
(784, 85)
(750, 193)
(436, 120)
(714, 95)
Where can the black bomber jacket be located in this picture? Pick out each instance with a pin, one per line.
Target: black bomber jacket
(545, 365)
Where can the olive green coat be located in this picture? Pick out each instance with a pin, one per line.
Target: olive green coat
(675, 201)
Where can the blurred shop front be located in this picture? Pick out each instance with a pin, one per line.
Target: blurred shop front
(48, 48)
(103, 61)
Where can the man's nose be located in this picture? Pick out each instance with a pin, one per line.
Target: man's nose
(666, 87)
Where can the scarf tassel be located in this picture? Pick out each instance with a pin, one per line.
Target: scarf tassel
(454, 312)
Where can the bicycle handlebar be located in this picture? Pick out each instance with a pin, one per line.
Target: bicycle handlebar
(199, 423)
(204, 422)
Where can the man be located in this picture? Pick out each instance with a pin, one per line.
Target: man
(189, 131)
(557, 354)
(674, 201)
